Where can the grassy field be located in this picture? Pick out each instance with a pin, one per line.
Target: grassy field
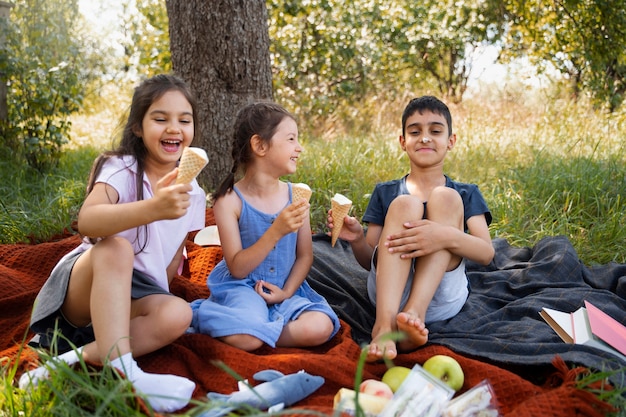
(546, 166)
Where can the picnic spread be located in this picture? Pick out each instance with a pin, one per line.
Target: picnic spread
(498, 335)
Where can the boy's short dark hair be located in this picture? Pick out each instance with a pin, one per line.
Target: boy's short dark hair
(430, 103)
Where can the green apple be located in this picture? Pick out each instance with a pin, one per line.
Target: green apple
(446, 369)
(394, 376)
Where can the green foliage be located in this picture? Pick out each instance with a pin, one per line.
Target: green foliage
(147, 42)
(330, 55)
(36, 205)
(584, 40)
(75, 391)
(83, 390)
(439, 39)
(579, 198)
(545, 165)
(334, 60)
(598, 384)
(44, 65)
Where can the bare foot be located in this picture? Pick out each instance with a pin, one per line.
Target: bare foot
(414, 329)
(381, 348)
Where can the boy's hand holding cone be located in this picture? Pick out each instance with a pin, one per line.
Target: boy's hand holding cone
(191, 163)
(340, 206)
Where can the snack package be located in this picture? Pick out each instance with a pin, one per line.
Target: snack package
(191, 163)
(420, 395)
(479, 401)
(340, 205)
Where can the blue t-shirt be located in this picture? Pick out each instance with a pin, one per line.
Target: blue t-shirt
(385, 192)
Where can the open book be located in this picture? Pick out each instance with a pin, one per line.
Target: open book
(588, 326)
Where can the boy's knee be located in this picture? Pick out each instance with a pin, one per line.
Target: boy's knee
(404, 204)
(445, 197)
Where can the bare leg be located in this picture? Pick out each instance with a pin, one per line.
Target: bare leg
(242, 341)
(311, 328)
(446, 207)
(391, 278)
(99, 292)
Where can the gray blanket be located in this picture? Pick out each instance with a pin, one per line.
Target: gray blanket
(500, 321)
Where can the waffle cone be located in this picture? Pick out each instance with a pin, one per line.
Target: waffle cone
(191, 163)
(340, 211)
(300, 191)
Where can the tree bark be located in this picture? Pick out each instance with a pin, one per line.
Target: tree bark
(221, 48)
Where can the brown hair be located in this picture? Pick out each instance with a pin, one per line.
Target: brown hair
(149, 91)
(260, 118)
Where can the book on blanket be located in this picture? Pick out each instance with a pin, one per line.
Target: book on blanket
(588, 326)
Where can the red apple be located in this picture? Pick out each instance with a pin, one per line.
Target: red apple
(375, 387)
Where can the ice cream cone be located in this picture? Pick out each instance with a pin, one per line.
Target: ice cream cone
(340, 205)
(300, 191)
(191, 163)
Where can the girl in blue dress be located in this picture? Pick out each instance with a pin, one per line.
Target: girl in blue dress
(258, 291)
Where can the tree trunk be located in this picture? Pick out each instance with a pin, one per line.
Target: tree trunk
(221, 48)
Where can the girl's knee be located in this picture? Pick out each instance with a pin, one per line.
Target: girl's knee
(326, 330)
(319, 329)
(114, 249)
(243, 341)
(179, 315)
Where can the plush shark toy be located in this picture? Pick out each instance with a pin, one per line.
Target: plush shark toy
(277, 392)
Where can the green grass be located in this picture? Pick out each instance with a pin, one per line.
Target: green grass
(546, 167)
(86, 391)
(37, 206)
(555, 170)
(597, 383)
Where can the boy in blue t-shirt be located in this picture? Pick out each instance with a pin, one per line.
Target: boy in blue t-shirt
(421, 228)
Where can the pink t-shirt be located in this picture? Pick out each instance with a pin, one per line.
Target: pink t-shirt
(156, 244)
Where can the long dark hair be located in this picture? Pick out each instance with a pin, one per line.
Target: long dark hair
(260, 118)
(145, 94)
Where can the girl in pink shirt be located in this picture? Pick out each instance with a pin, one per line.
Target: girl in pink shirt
(110, 295)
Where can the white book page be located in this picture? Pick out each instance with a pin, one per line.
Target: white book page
(580, 324)
(560, 319)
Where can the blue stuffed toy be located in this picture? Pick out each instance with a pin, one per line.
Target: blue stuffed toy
(278, 391)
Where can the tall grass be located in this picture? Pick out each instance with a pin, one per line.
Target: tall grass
(546, 166)
(553, 168)
(37, 206)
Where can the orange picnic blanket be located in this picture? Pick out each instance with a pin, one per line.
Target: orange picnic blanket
(25, 267)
